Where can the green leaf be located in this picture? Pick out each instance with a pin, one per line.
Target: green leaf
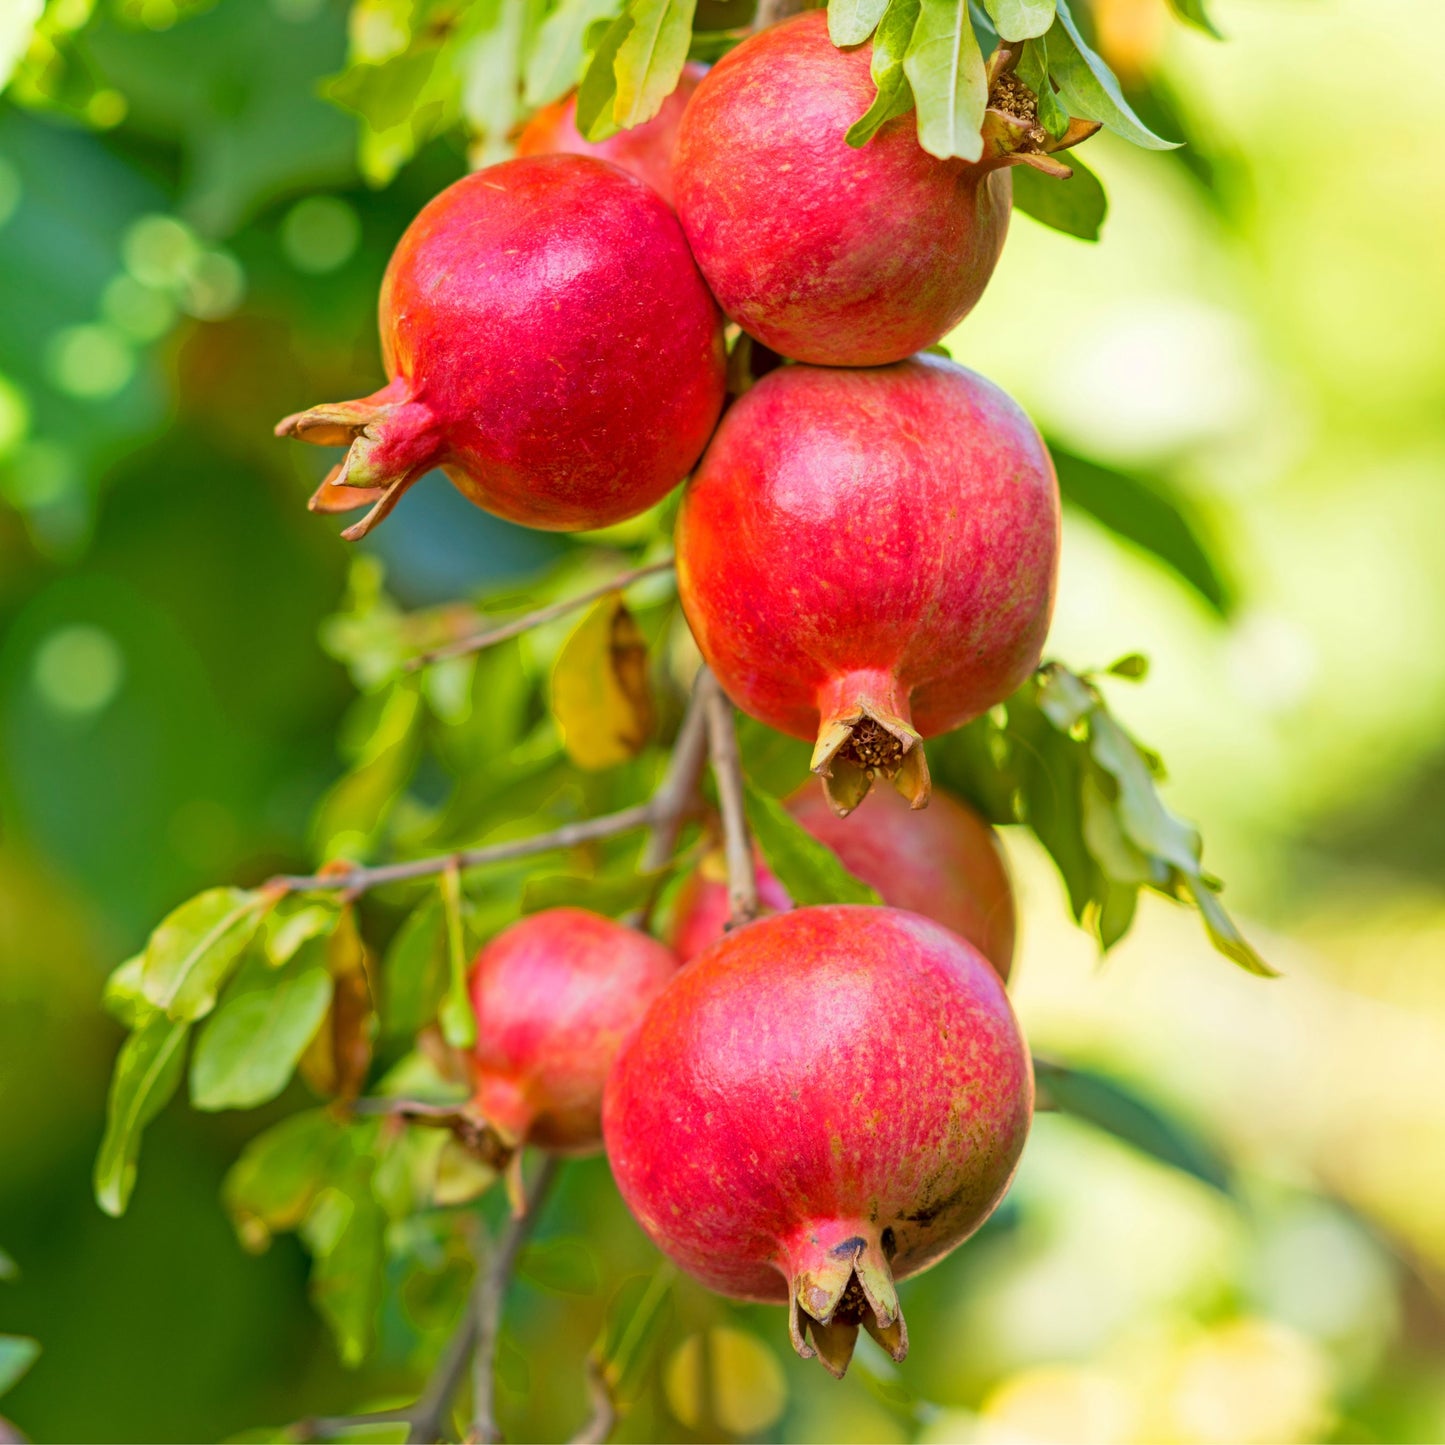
(249, 1047)
(415, 971)
(851, 22)
(610, 895)
(563, 1266)
(345, 1230)
(650, 59)
(555, 63)
(8, 1268)
(1128, 1116)
(1033, 70)
(638, 1320)
(147, 1071)
(1090, 88)
(17, 25)
(894, 94)
(598, 91)
(457, 1016)
(1133, 665)
(1020, 19)
(1147, 514)
(810, 871)
(1222, 931)
(601, 693)
(1149, 825)
(270, 1187)
(1076, 206)
(946, 69)
(195, 948)
(124, 996)
(293, 922)
(1194, 13)
(17, 1354)
(490, 66)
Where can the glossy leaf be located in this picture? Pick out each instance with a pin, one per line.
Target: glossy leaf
(810, 871)
(1148, 515)
(456, 1015)
(249, 1048)
(945, 67)
(851, 22)
(894, 94)
(555, 63)
(601, 694)
(598, 91)
(1020, 19)
(1089, 88)
(1076, 206)
(17, 1354)
(147, 1072)
(270, 1187)
(1113, 1107)
(192, 952)
(294, 922)
(650, 59)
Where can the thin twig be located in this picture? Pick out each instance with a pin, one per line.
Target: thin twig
(727, 770)
(678, 790)
(599, 1423)
(489, 1299)
(518, 625)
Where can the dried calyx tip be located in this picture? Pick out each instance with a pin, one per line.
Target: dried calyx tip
(835, 1292)
(863, 745)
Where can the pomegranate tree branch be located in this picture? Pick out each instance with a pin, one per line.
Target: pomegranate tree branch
(489, 1298)
(677, 793)
(481, 640)
(599, 1423)
(727, 771)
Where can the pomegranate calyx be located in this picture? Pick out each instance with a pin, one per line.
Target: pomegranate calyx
(1012, 132)
(833, 1290)
(864, 733)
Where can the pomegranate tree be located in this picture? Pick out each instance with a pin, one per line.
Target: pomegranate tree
(867, 558)
(944, 862)
(822, 1103)
(554, 996)
(550, 345)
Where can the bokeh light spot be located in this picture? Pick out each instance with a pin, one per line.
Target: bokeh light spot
(142, 312)
(319, 234)
(78, 669)
(160, 251)
(749, 1392)
(90, 361)
(14, 416)
(215, 287)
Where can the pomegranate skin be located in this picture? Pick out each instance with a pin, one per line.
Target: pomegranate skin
(822, 1102)
(867, 558)
(645, 150)
(825, 252)
(555, 994)
(945, 863)
(550, 344)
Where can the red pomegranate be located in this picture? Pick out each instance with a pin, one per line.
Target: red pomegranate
(550, 344)
(822, 1102)
(826, 252)
(868, 558)
(555, 995)
(945, 863)
(645, 150)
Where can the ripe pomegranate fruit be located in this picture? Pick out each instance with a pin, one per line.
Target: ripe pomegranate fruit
(550, 344)
(868, 558)
(822, 1102)
(645, 150)
(944, 863)
(555, 994)
(830, 253)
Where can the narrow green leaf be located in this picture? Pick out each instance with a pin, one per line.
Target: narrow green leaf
(415, 971)
(1033, 70)
(1133, 665)
(1111, 848)
(249, 1047)
(457, 1017)
(1090, 88)
(598, 91)
(147, 1071)
(1148, 514)
(293, 922)
(17, 1354)
(851, 22)
(192, 952)
(650, 59)
(1194, 13)
(945, 67)
(1223, 933)
(124, 996)
(559, 51)
(1076, 206)
(345, 1230)
(894, 94)
(1130, 1117)
(1020, 19)
(270, 1187)
(638, 1319)
(1148, 823)
(810, 871)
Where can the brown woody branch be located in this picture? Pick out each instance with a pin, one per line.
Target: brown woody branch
(727, 771)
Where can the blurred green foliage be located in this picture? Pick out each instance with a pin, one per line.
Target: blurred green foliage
(191, 236)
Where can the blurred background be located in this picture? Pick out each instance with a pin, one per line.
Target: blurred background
(189, 249)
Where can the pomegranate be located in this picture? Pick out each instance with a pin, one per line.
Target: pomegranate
(555, 994)
(831, 253)
(868, 558)
(550, 344)
(944, 863)
(822, 1102)
(645, 150)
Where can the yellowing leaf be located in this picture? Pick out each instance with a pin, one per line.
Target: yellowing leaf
(601, 696)
(337, 1058)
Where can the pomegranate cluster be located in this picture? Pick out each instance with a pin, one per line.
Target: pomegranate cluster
(814, 1105)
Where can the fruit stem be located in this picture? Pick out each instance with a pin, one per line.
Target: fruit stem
(727, 771)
